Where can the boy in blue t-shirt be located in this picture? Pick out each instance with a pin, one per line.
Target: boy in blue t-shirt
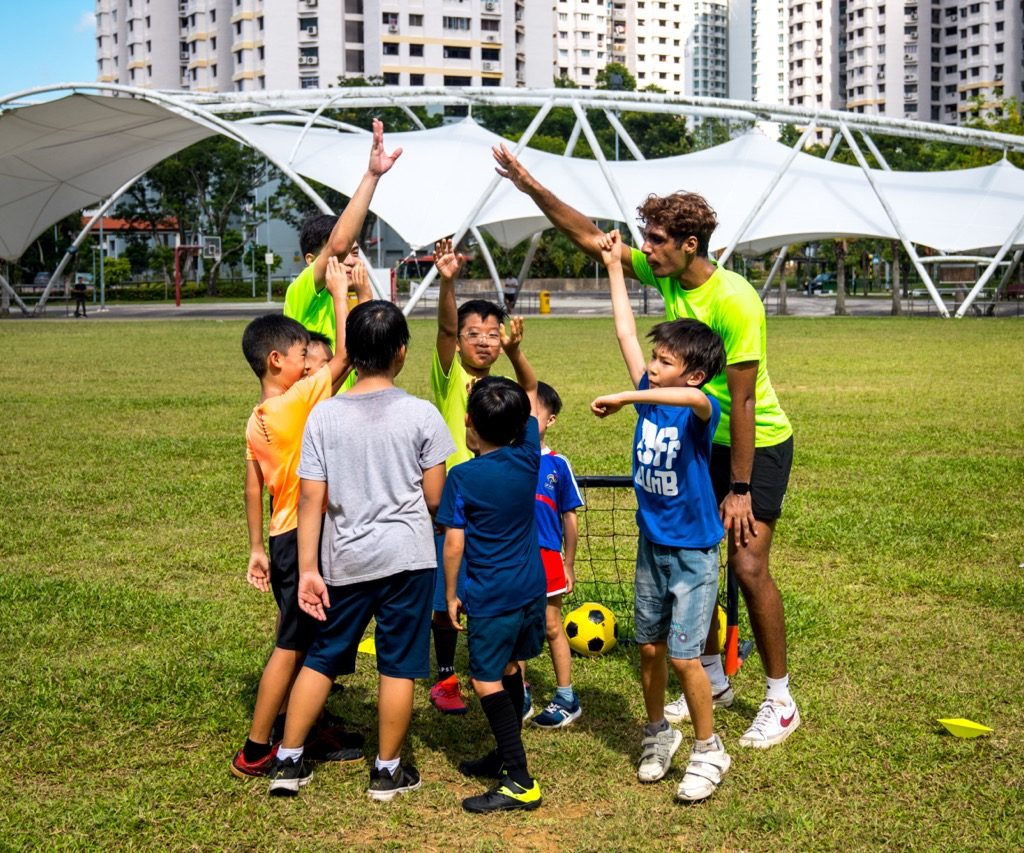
(557, 499)
(680, 528)
(487, 510)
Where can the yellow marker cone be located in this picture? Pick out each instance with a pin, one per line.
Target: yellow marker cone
(959, 727)
(367, 647)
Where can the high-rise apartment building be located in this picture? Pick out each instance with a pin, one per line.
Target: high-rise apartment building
(247, 45)
(582, 39)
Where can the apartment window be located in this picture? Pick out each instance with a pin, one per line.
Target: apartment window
(213, 70)
(453, 80)
(261, 53)
(999, 26)
(238, 28)
(213, 44)
(451, 52)
(489, 25)
(391, 78)
(390, 48)
(416, 50)
(490, 54)
(416, 79)
(389, 19)
(305, 82)
(999, 47)
(450, 22)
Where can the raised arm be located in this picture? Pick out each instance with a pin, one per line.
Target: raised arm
(337, 286)
(688, 396)
(448, 264)
(573, 224)
(625, 324)
(349, 224)
(527, 379)
(258, 571)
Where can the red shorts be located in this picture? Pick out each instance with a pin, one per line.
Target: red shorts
(554, 570)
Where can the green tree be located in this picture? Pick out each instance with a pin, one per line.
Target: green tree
(116, 271)
(615, 76)
(203, 188)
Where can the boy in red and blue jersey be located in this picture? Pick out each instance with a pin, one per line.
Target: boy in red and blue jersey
(557, 499)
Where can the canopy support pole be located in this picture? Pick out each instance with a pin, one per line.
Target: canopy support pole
(780, 259)
(911, 251)
(768, 190)
(588, 131)
(73, 248)
(874, 151)
(613, 120)
(10, 291)
(489, 260)
(1011, 238)
(485, 196)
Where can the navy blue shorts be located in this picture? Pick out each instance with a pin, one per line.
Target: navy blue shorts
(495, 641)
(400, 604)
(440, 602)
(295, 629)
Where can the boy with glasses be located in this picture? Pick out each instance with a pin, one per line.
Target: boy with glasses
(469, 341)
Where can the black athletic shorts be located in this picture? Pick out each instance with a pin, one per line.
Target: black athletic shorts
(768, 479)
(296, 629)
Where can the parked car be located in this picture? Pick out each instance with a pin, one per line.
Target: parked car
(823, 283)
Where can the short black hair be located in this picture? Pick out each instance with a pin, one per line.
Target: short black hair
(548, 398)
(498, 409)
(315, 232)
(269, 333)
(322, 339)
(699, 346)
(375, 332)
(483, 308)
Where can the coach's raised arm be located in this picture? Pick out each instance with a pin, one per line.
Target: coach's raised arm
(566, 219)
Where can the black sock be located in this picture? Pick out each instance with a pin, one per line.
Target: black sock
(506, 721)
(444, 650)
(277, 730)
(513, 685)
(253, 751)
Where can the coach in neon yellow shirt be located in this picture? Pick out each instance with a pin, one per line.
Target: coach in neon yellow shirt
(753, 448)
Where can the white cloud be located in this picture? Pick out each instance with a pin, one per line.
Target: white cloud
(86, 23)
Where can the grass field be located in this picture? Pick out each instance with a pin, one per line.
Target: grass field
(133, 645)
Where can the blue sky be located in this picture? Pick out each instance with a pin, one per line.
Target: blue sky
(46, 41)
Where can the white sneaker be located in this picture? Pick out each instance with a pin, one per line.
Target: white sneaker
(657, 754)
(677, 712)
(774, 723)
(704, 773)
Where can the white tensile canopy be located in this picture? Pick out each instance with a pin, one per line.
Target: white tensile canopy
(79, 150)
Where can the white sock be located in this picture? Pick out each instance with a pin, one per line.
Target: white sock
(778, 690)
(284, 754)
(391, 766)
(716, 673)
(705, 745)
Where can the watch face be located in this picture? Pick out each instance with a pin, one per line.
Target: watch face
(740, 488)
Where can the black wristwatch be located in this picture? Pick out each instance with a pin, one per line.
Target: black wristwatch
(740, 488)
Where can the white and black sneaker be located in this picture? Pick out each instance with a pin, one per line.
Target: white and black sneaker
(385, 785)
(286, 777)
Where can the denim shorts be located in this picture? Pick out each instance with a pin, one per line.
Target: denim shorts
(675, 596)
(495, 641)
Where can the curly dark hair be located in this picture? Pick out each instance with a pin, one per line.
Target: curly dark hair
(682, 215)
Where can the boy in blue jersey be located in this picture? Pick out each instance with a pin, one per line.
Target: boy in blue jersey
(680, 528)
(487, 510)
(557, 499)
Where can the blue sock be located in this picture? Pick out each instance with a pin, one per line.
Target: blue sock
(566, 694)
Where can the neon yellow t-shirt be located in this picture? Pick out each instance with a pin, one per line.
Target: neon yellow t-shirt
(728, 303)
(451, 396)
(315, 310)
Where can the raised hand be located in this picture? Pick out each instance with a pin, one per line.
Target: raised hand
(360, 282)
(511, 339)
(446, 259)
(337, 277)
(380, 161)
(610, 245)
(510, 167)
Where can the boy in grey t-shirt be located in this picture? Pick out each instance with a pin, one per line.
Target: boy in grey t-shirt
(376, 457)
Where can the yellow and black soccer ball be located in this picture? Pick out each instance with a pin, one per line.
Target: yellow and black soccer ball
(591, 629)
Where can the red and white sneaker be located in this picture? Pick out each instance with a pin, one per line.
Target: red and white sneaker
(775, 721)
(251, 769)
(446, 696)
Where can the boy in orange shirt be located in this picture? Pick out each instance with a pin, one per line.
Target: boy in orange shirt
(276, 348)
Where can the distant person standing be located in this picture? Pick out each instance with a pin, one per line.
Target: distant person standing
(79, 290)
